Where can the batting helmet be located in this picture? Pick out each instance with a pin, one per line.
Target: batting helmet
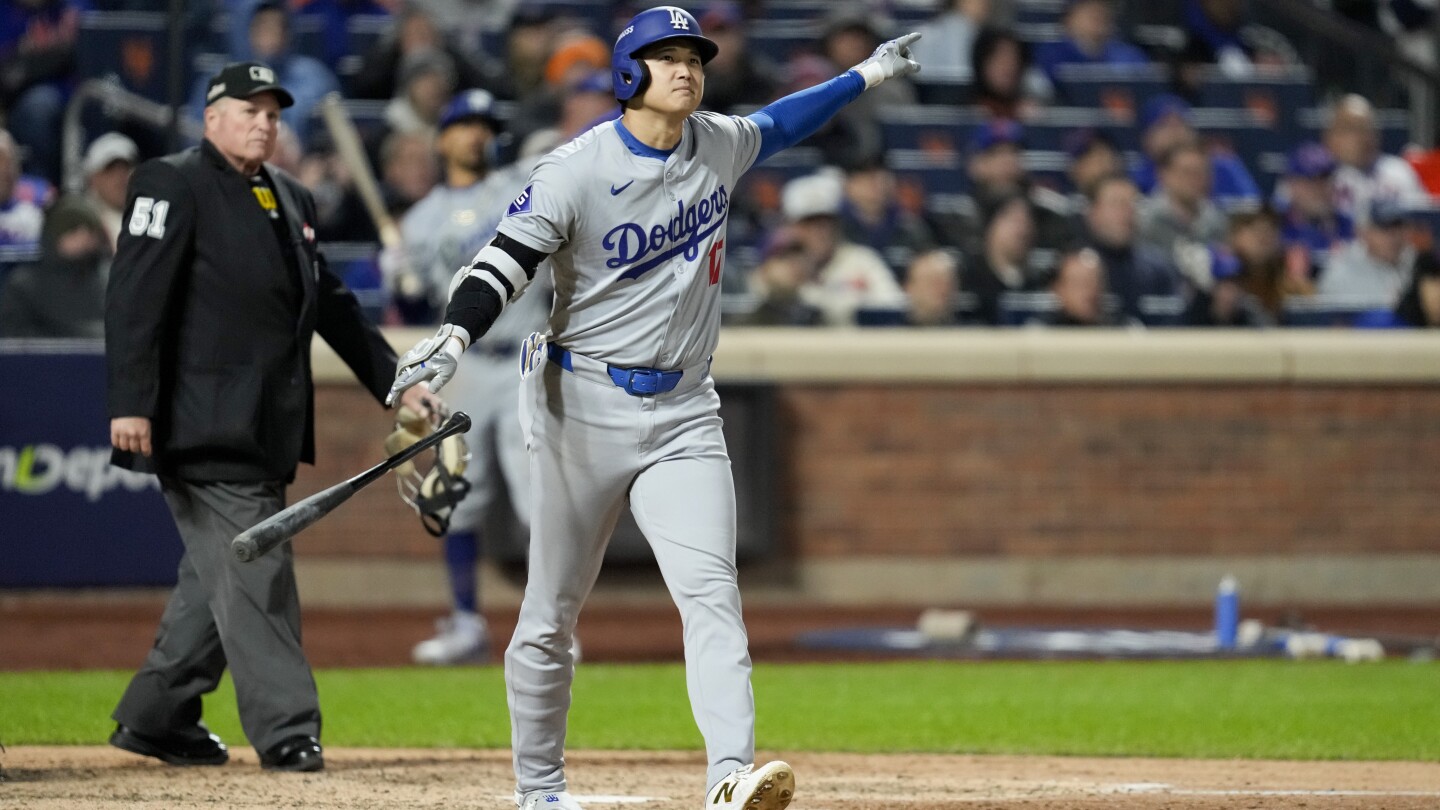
(471, 104)
(647, 28)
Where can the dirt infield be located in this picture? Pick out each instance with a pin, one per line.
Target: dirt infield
(96, 778)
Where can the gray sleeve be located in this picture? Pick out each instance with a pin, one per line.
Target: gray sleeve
(542, 217)
(739, 139)
(419, 247)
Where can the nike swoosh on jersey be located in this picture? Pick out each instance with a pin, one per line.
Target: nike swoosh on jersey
(614, 190)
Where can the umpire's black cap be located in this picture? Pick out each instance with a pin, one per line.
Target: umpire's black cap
(243, 80)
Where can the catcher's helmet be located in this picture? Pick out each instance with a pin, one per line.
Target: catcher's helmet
(647, 28)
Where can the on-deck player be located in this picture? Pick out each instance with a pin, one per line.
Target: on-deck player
(441, 231)
(617, 403)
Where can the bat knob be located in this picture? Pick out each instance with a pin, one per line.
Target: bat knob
(245, 548)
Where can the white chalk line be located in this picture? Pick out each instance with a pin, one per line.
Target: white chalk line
(1160, 787)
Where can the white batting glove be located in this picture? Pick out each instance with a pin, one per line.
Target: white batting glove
(889, 61)
(434, 359)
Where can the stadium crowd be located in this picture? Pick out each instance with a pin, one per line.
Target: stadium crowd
(1046, 167)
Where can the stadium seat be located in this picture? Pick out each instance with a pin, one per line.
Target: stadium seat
(935, 172)
(1022, 308)
(1121, 90)
(1328, 311)
(1273, 98)
(130, 45)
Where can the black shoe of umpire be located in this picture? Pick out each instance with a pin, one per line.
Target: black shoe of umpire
(200, 748)
(295, 754)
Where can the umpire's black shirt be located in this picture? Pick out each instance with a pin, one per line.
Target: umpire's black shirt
(215, 292)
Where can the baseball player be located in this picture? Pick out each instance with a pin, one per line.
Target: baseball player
(617, 403)
(441, 232)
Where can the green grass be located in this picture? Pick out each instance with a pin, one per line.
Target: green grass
(1263, 709)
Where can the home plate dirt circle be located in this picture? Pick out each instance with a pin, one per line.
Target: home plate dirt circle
(99, 778)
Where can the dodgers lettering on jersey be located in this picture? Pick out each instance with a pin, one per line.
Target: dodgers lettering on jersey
(636, 243)
(636, 250)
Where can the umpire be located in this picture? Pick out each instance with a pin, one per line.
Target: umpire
(216, 290)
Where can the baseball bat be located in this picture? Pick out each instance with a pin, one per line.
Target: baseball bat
(290, 521)
(352, 153)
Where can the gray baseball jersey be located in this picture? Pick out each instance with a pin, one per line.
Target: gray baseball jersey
(442, 233)
(636, 240)
(636, 244)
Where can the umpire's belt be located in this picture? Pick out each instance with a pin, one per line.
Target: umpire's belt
(637, 382)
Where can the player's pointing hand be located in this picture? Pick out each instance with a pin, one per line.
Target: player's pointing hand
(892, 59)
(434, 359)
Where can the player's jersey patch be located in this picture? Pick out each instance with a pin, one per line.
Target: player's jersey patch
(521, 204)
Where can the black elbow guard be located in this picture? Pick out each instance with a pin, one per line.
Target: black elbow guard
(474, 307)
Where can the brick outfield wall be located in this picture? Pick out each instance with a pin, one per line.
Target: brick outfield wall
(1032, 471)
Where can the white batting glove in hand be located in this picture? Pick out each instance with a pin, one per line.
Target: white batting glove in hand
(889, 61)
(434, 359)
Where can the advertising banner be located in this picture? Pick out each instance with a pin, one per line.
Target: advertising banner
(68, 518)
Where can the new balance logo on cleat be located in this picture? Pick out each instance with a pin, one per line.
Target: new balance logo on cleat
(561, 800)
(769, 787)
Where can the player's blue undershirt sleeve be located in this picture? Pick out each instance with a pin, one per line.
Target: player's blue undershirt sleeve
(790, 120)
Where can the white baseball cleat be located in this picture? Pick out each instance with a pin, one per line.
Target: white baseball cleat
(546, 800)
(769, 787)
(458, 639)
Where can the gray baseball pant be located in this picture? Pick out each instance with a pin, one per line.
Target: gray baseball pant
(593, 447)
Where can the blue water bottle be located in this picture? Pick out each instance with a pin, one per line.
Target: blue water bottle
(1227, 613)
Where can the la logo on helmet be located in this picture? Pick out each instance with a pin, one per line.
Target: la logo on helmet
(677, 19)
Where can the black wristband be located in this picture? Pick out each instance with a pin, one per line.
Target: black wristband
(474, 307)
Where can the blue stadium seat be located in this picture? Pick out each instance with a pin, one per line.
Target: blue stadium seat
(1274, 98)
(130, 45)
(1022, 308)
(1039, 12)
(1328, 311)
(935, 172)
(879, 316)
(595, 14)
(938, 90)
(1120, 90)
(782, 41)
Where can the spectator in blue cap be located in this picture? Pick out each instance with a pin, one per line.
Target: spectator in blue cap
(1093, 156)
(1305, 198)
(997, 172)
(1165, 123)
(1090, 39)
(1375, 270)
